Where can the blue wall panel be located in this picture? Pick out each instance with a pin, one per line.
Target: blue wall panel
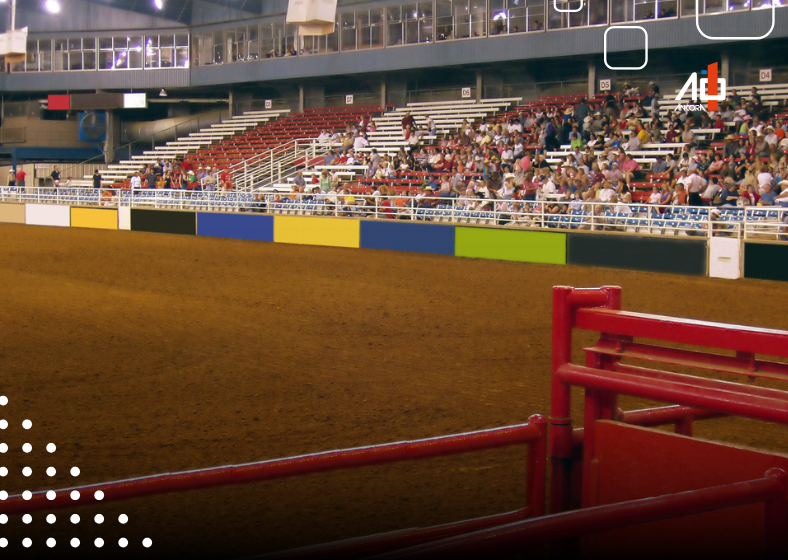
(408, 236)
(236, 226)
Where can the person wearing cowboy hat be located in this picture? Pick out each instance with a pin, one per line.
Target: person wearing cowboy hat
(731, 148)
(771, 138)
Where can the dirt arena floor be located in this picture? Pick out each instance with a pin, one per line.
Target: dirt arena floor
(144, 353)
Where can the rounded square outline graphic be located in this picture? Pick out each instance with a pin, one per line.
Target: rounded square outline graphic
(582, 5)
(604, 44)
(709, 37)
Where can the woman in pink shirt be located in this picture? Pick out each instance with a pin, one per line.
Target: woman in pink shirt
(525, 162)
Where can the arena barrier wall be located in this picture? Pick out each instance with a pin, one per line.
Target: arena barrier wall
(96, 218)
(124, 217)
(408, 236)
(12, 213)
(329, 232)
(256, 227)
(509, 245)
(635, 463)
(47, 215)
(766, 261)
(163, 221)
(649, 254)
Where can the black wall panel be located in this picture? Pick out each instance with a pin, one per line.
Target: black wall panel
(677, 256)
(766, 261)
(163, 221)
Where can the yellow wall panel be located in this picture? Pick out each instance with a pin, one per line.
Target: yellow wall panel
(99, 218)
(12, 213)
(331, 232)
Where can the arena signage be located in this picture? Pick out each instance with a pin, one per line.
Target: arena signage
(712, 89)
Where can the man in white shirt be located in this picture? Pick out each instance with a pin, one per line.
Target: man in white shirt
(324, 137)
(359, 142)
(607, 192)
(764, 178)
(136, 182)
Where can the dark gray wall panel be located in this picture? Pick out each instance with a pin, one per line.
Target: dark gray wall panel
(97, 79)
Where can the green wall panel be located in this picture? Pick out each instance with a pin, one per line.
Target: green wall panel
(511, 245)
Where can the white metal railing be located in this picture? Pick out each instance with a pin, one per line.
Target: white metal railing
(275, 165)
(755, 222)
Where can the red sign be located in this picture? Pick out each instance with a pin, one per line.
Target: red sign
(59, 102)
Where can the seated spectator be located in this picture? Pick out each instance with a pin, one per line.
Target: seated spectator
(768, 196)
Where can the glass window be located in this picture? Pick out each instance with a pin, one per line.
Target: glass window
(289, 46)
(31, 58)
(621, 10)
(499, 16)
(535, 14)
(120, 51)
(182, 57)
(253, 43)
(135, 53)
(218, 48)
(45, 55)
(394, 19)
(347, 24)
(597, 12)
(60, 62)
(670, 8)
(426, 23)
(267, 40)
(688, 7)
(152, 51)
(478, 9)
(444, 24)
(75, 54)
(377, 21)
(182, 40)
(363, 37)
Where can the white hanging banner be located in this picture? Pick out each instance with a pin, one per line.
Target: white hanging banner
(314, 17)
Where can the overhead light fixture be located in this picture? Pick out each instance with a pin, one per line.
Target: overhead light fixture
(52, 6)
(162, 93)
(159, 4)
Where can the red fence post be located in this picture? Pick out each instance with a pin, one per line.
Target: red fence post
(775, 518)
(565, 301)
(536, 475)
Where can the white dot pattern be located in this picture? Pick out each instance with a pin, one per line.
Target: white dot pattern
(51, 447)
(147, 543)
(3, 543)
(27, 494)
(51, 542)
(3, 424)
(3, 495)
(3, 400)
(51, 518)
(3, 471)
(99, 518)
(27, 518)
(27, 424)
(99, 542)
(51, 471)
(75, 542)
(27, 471)
(123, 518)
(27, 448)
(51, 495)
(74, 471)
(27, 543)
(75, 519)
(3, 519)
(3, 447)
(75, 495)
(123, 543)
(99, 495)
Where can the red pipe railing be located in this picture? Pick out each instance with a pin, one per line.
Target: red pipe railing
(604, 377)
(365, 546)
(519, 536)
(533, 433)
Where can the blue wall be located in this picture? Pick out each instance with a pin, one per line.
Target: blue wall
(408, 236)
(236, 226)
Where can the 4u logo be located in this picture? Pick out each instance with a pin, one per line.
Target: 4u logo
(712, 89)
